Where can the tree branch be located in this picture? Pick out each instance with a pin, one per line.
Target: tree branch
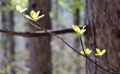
(37, 33)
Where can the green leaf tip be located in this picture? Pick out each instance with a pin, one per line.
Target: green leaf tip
(34, 16)
(20, 9)
(87, 51)
(100, 53)
(78, 30)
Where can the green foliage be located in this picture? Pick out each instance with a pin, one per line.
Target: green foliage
(72, 5)
(62, 3)
(34, 16)
(13, 3)
(78, 30)
(5, 69)
(78, 5)
(2, 70)
(100, 53)
(87, 51)
(25, 72)
(22, 3)
(20, 10)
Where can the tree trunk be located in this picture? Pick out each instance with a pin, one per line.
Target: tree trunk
(4, 23)
(40, 47)
(11, 40)
(103, 31)
(76, 43)
(4, 36)
(8, 41)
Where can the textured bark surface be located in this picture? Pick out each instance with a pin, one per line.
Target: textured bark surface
(103, 31)
(40, 47)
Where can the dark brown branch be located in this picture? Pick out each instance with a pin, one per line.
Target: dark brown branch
(38, 33)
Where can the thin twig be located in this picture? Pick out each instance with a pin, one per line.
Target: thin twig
(83, 47)
(104, 64)
(71, 47)
(95, 58)
(40, 27)
(31, 22)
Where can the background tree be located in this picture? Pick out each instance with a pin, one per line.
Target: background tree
(40, 50)
(11, 38)
(7, 41)
(76, 44)
(102, 19)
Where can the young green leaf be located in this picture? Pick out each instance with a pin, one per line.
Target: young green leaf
(87, 51)
(100, 53)
(20, 9)
(34, 16)
(78, 30)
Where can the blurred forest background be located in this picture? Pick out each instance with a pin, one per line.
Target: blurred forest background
(14, 51)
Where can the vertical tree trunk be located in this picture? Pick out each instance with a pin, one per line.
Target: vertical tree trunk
(11, 39)
(103, 31)
(40, 47)
(76, 43)
(76, 22)
(8, 41)
(4, 22)
(4, 36)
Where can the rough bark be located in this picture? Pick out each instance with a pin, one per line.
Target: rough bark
(40, 49)
(103, 31)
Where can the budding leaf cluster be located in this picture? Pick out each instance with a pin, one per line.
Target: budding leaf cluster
(33, 15)
(87, 51)
(20, 9)
(100, 53)
(78, 30)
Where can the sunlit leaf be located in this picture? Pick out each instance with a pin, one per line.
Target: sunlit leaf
(20, 9)
(87, 51)
(78, 30)
(34, 16)
(100, 53)
(27, 16)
